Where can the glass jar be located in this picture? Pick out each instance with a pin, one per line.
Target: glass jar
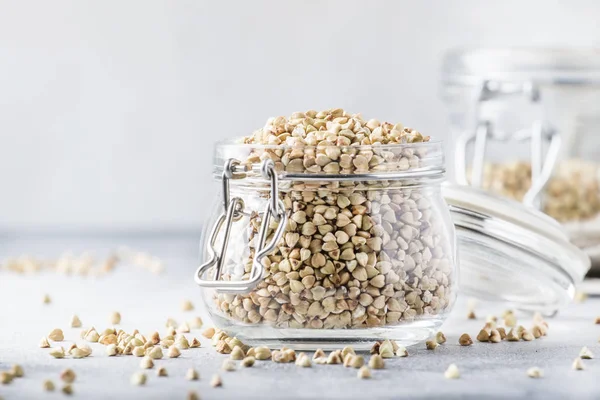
(329, 246)
(525, 124)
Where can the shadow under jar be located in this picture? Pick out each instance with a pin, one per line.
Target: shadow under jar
(348, 255)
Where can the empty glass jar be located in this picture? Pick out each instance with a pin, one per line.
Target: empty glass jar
(526, 124)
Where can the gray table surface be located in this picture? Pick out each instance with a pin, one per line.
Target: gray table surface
(146, 301)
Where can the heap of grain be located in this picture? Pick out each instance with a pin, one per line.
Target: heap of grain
(355, 254)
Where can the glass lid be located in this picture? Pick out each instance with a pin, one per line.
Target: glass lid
(511, 253)
(573, 66)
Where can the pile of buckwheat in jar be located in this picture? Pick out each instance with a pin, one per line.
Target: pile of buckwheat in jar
(355, 254)
(572, 194)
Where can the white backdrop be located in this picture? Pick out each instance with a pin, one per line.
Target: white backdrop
(109, 109)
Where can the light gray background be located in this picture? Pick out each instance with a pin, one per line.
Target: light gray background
(109, 109)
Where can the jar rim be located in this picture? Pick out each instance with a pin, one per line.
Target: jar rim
(234, 143)
(431, 160)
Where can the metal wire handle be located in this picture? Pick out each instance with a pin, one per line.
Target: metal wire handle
(541, 166)
(233, 210)
(274, 210)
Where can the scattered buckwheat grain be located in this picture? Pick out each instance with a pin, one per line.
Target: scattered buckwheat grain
(282, 356)
(196, 323)
(483, 336)
(146, 363)
(182, 343)
(56, 335)
(17, 371)
(512, 336)
(192, 395)
(67, 389)
(173, 352)
(48, 385)
(138, 379)
(155, 353)
(187, 305)
(79, 353)
(386, 349)
(586, 354)
(184, 328)
(465, 340)
(527, 336)
(334, 358)
(44, 343)
(209, 332)
(356, 361)
(318, 354)
(5, 377)
(535, 372)
(502, 333)
(580, 296)
(376, 362)
(111, 350)
(92, 336)
(222, 347)
(510, 319)
(115, 318)
(431, 344)
(262, 353)
(248, 361)
(237, 353)
(440, 337)
(401, 352)
(171, 323)
(303, 361)
(216, 381)
(75, 322)
(452, 372)
(495, 336)
(57, 352)
(364, 372)
(68, 376)
(191, 375)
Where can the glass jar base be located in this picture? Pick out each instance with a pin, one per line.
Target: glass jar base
(329, 339)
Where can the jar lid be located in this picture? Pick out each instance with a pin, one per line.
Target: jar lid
(512, 253)
(536, 65)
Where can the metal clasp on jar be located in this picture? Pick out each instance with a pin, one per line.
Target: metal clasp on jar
(233, 211)
(541, 165)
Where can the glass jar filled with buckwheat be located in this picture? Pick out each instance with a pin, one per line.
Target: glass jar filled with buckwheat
(330, 229)
(526, 124)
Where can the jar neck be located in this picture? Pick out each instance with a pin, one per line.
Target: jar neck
(288, 185)
(335, 163)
